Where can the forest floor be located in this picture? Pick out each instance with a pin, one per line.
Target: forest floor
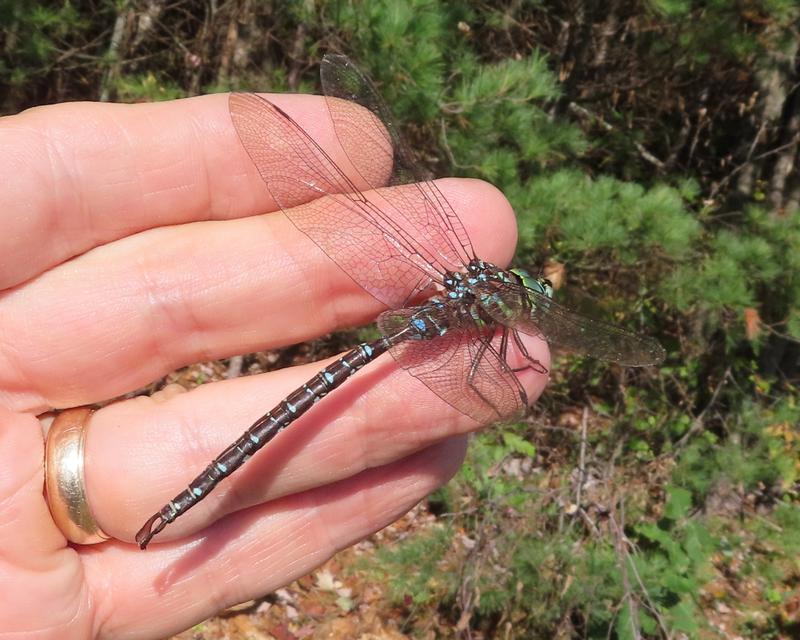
(344, 599)
(335, 602)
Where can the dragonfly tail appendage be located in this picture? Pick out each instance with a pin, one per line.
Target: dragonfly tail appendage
(146, 533)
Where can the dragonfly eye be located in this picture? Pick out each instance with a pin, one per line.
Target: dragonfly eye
(524, 277)
(541, 286)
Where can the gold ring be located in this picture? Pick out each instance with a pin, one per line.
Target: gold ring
(64, 479)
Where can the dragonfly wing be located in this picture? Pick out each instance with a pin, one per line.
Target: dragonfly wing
(591, 337)
(364, 124)
(463, 367)
(537, 315)
(354, 230)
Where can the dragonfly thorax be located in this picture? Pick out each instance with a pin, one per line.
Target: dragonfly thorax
(492, 294)
(458, 285)
(480, 290)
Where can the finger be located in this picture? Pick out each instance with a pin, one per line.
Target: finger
(133, 310)
(33, 559)
(259, 550)
(142, 452)
(89, 173)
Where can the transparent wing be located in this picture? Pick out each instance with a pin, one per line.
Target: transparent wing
(424, 209)
(463, 367)
(537, 315)
(353, 230)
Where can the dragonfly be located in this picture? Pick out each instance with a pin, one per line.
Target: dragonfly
(451, 319)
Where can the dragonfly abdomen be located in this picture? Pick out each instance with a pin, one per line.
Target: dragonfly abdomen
(261, 432)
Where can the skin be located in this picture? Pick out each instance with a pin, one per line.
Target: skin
(137, 239)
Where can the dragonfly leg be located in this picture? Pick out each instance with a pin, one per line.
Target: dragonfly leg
(520, 346)
(504, 344)
(474, 368)
(533, 363)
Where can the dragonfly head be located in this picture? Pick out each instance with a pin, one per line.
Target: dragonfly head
(540, 285)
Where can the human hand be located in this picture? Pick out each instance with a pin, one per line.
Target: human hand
(133, 243)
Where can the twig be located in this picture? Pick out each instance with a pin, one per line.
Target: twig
(651, 606)
(582, 458)
(697, 423)
(234, 367)
(643, 152)
(620, 541)
(579, 510)
(718, 187)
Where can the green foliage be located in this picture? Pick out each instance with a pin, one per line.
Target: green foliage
(413, 569)
(35, 33)
(401, 45)
(755, 265)
(482, 474)
(717, 28)
(577, 215)
(762, 450)
(528, 568)
(147, 87)
(764, 551)
(502, 132)
(673, 561)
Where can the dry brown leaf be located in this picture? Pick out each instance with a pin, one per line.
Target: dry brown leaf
(752, 323)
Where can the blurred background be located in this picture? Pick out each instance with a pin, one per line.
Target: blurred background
(650, 151)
